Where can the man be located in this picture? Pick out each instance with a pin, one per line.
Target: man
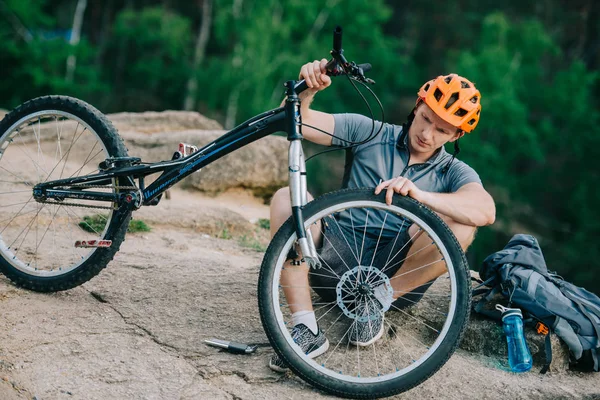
(409, 160)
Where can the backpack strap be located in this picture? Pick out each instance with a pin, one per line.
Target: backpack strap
(582, 304)
(548, 351)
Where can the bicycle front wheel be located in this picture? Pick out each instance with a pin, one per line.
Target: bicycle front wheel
(366, 246)
(45, 139)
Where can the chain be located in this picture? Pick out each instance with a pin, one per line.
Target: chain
(61, 203)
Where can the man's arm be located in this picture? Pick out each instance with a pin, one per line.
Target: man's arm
(469, 205)
(316, 78)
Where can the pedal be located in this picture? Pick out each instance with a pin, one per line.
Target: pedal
(93, 243)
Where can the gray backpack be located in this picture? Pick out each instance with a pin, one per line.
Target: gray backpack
(519, 272)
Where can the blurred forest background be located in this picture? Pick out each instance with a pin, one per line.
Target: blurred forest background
(535, 62)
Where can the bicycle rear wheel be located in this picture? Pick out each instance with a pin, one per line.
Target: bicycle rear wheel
(45, 139)
(419, 335)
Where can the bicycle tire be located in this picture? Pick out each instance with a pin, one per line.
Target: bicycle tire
(94, 123)
(324, 379)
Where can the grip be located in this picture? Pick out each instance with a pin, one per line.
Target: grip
(337, 39)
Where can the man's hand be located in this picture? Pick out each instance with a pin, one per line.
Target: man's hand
(315, 75)
(403, 186)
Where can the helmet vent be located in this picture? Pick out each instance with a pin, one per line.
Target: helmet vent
(474, 99)
(464, 85)
(452, 100)
(478, 111)
(471, 122)
(438, 94)
(427, 87)
(447, 79)
(461, 112)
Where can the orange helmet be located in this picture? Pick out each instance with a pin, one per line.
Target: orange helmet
(454, 99)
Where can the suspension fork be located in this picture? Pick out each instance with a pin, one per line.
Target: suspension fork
(297, 176)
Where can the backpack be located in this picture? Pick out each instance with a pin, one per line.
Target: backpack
(520, 274)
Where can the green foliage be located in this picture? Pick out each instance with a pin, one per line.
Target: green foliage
(93, 223)
(538, 130)
(151, 48)
(97, 222)
(251, 242)
(264, 223)
(224, 234)
(536, 66)
(137, 225)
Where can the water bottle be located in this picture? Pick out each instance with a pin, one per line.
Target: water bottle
(519, 357)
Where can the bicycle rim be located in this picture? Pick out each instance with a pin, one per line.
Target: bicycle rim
(418, 335)
(39, 239)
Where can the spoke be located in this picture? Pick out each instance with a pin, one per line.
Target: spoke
(310, 287)
(328, 267)
(372, 335)
(410, 336)
(353, 232)
(386, 267)
(327, 312)
(340, 341)
(416, 319)
(344, 236)
(325, 276)
(16, 191)
(364, 235)
(12, 218)
(376, 246)
(67, 153)
(39, 140)
(394, 245)
(401, 343)
(18, 212)
(416, 269)
(427, 307)
(17, 176)
(70, 226)
(44, 235)
(87, 160)
(334, 249)
(28, 227)
(78, 218)
(37, 165)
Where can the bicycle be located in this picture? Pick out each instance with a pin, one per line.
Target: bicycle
(49, 150)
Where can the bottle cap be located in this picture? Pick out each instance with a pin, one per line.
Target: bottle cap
(507, 312)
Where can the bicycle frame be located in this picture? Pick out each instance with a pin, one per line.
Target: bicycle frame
(286, 119)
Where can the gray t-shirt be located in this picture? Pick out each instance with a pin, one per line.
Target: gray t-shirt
(387, 156)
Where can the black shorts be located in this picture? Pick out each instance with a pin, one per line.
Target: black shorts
(343, 249)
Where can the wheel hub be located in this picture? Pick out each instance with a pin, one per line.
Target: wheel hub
(359, 283)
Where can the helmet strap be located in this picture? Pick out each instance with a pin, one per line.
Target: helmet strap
(456, 151)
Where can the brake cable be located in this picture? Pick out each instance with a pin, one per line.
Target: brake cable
(371, 135)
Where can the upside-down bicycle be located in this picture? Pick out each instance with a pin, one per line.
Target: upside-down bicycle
(59, 155)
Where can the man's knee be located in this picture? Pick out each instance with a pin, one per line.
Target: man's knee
(464, 233)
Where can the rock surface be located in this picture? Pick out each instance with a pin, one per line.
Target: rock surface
(260, 166)
(136, 330)
(162, 121)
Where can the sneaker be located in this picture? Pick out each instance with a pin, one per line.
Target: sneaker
(312, 345)
(366, 333)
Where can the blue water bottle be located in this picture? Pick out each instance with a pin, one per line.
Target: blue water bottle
(519, 357)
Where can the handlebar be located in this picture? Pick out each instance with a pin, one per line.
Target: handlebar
(337, 39)
(338, 65)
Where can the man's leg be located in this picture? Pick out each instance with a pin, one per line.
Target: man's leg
(423, 262)
(294, 278)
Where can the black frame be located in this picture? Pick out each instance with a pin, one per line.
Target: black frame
(173, 171)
